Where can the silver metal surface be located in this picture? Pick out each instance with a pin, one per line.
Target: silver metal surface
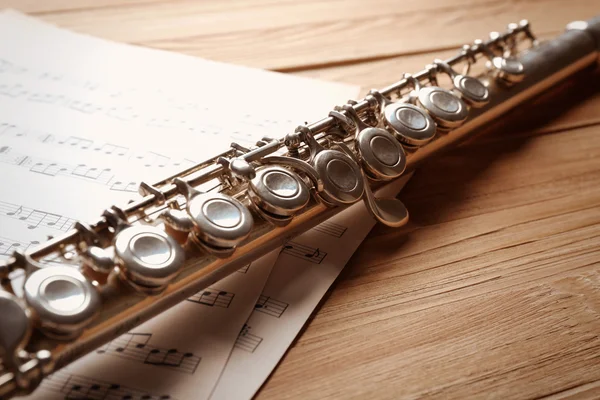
(508, 70)
(340, 175)
(381, 155)
(472, 90)
(63, 300)
(314, 154)
(342, 182)
(178, 220)
(98, 259)
(278, 191)
(219, 220)
(444, 107)
(148, 257)
(410, 124)
(388, 211)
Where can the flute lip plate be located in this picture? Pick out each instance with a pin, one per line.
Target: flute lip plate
(278, 191)
(410, 124)
(220, 220)
(62, 298)
(381, 153)
(149, 257)
(446, 109)
(341, 176)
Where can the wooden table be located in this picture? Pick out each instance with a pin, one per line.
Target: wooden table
(493, 290)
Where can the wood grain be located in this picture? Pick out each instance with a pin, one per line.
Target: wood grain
(493, 289)
(293, 35)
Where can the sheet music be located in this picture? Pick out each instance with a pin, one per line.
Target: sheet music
(305, 269)
(82, 122)
(179, 354)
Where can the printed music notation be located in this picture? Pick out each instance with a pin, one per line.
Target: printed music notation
(36, 218)
(314, 255)
(270, 306)
(135, 347)
(331, 228)
(11, 130)
(124, 186)
(170, 114)
(103, 176)
(7, 246)
(79, 387)
(244, 269)
(213, 297)
(247, 341)
(145, 158)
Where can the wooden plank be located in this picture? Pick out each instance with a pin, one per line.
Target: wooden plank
(142, 22)
(519, 343)
(294, 35)
(346, 40)
(101, 6)
(498, 302)
(47, 6)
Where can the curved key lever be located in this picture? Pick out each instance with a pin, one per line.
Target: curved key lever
(389, 211)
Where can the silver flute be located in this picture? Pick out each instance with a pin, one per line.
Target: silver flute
(76, 292)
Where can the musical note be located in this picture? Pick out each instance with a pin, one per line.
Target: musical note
(213, 297)
(102, 176)
(15, 212)
(136, 347)
(124, 186)
(36, 218)
(315, 254)
(331, 228)
(311, 254)
(168, 117)
(80, 387)
(247, 341)
(150, 159)
(110, 149)
(172, 358)
(10, 130)
(97, 174)
(147, 158)
(7, 246)
(270, 306)
(74, 141)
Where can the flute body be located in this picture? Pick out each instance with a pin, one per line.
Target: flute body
(174, 240)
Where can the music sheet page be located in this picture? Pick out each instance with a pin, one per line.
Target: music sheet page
(82, 122)
(304, 271)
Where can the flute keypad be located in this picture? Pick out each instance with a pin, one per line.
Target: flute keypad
(342, 183)
(410, 124)
(446, 109)
(148, 256)
(63, 300)
(381, 154)
(278, 191)
(219, 220)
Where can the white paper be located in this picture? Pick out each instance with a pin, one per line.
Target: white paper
(82, 122)
(300, 278)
